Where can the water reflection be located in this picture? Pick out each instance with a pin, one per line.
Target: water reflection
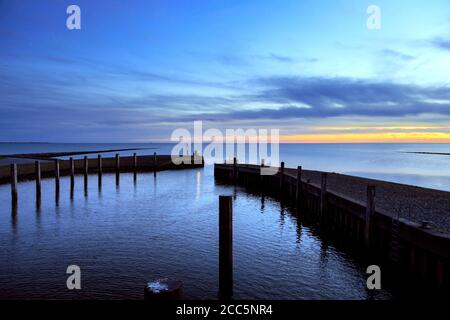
(198, 184)
(153, 229)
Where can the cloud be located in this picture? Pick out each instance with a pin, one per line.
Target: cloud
(441, 43)
(397, 55)
(296, 97)
(281, 58)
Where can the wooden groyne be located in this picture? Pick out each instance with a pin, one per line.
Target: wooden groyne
(357, 209)
(55, 168)
(94, 165)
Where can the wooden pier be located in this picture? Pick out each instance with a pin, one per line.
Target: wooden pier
(362, 214)
(94, 165)
(55, 168)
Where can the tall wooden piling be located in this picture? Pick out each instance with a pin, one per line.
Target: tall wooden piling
(72, 177)
(155, 163)
(37, 167)
(134, 167)
(86, 172)
(14, 185)
(370, 210)
(261, 176)
(281, 175)
(298, 189)
(235, 170)
(99, 169)
(225, 247)
(323, 192)
(117, 169)
(57, 180)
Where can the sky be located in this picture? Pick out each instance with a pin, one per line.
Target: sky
(137, 70)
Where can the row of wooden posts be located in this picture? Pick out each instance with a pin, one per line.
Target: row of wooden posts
(370, 204)
(14, 175)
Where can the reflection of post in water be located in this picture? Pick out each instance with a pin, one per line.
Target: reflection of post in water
(263, 198)
(14, 217)
(282, 212)
(298, 227)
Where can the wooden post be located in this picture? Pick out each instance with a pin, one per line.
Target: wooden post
(323, 191)
(370, 210)
(86, 172)
(14, 185)
(261, 177)
(57, 180)
(281, 175)
(37, 167)
(235, 170)
(225, 247)
(99, 169)
(134, 167)
(154, 164)
(117, 168)
(298, 190)
(72, 177)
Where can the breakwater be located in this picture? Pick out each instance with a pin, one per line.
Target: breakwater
(369, 212)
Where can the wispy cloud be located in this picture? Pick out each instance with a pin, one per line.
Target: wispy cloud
(291, 97)
(441, 43)
(397, 55)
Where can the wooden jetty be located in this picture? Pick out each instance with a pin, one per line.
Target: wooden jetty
(95, 165)
(365, 211)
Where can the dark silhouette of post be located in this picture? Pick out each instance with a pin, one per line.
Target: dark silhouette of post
(14, 185)
(154, 164)
(235, 170)
(370, 210)
(261, 176)
(117, 169)
(323, 191)
(72, 177)
(134, 166)
(86, 173)
(99, 169)
(225, 247)
(281, 175)
(57, 181)
(298, 190)
(37, 167)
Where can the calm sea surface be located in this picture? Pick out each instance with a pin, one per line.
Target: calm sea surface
(380, 161)
(123, 236)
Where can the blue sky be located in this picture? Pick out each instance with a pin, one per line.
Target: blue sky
(139, 69)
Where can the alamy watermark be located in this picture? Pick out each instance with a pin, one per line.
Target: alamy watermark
(74, 280)
(73, 21)
(374, 20)
(226, 145)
